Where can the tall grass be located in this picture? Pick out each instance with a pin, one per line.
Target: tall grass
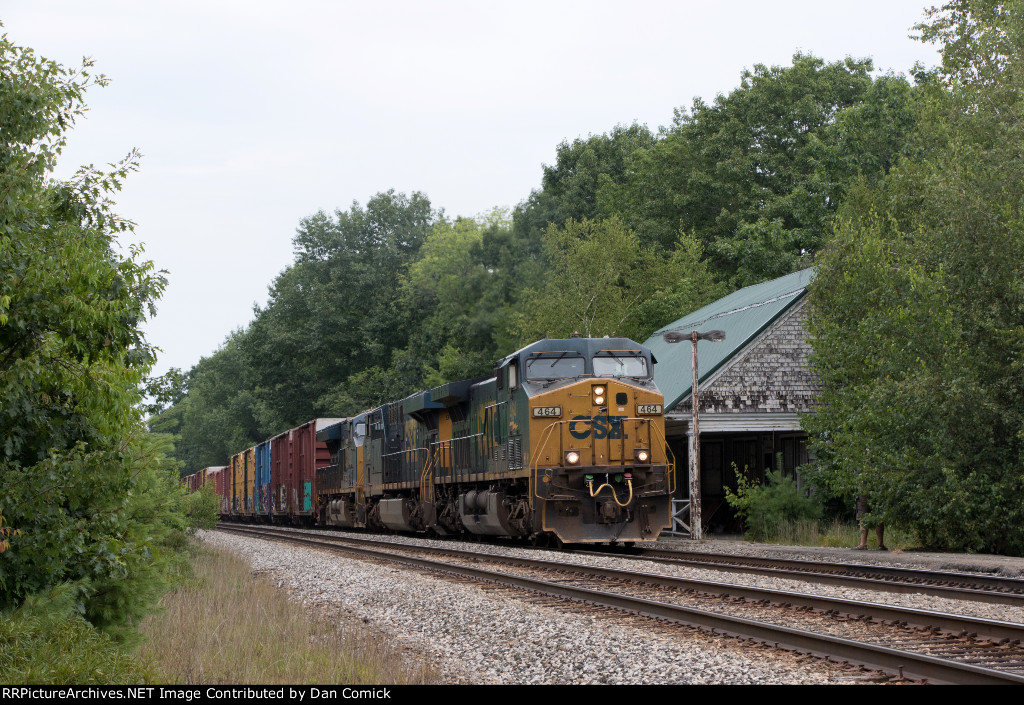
(834, 533)
(227, 626)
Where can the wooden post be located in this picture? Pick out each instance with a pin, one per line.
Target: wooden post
(696, 527)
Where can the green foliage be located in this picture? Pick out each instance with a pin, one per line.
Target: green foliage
(90, 499)
(203, 507)
(45, 640)
(460, 297)
(337, 311)
(918, 307)
(569, 189)
(220, 415)
(107, 519)
(767, 508)
(165, 391)
(338, 318)
(601, 281)
(758, 174)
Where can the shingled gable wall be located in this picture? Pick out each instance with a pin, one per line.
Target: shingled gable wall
(771, 375)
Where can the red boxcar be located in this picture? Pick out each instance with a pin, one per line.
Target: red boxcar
(294, 458)
(223, 487)
(214, 476)
(279, 452)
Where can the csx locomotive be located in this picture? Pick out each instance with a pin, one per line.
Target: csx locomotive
(565, 441)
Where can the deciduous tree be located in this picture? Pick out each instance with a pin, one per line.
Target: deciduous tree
(602, 281)
(918, 306)
(757, 174)
(91, 496)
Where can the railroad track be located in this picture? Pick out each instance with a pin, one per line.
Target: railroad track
(916, 644)
(975, 587)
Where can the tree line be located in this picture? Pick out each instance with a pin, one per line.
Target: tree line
(628, 231)
(904, 193)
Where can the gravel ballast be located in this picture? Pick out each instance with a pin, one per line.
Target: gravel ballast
(472, 634)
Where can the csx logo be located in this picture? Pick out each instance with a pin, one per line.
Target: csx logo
(602, 427)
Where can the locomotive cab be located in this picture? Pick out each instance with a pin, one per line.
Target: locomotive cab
(599, 467)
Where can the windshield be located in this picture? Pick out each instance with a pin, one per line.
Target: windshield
(625, 365)
(554, 366)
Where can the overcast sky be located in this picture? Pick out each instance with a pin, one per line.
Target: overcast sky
(253, 115)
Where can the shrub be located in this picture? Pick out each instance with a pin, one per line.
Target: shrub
(764, 508)
(46, 640)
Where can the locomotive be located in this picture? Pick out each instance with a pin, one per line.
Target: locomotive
(564, 441)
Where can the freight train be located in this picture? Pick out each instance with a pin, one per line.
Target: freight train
(565, 441)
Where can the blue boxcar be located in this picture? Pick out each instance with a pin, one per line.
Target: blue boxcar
(263, 504)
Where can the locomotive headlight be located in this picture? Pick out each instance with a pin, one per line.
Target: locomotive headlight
(572, 458)
(641, 456)
(599, 395)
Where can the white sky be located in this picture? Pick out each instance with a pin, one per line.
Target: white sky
(252, 115)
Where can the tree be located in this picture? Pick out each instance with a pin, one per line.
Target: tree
(569, 187)
(918, 308)
(601, 281)
(757, 175)
(460, 298)
(337, 318)
(569, 190)
(337, 310)
(92, 497)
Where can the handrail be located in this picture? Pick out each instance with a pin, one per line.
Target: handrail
(534, 469)
(400, 452)
(426, 478)
(670, 457)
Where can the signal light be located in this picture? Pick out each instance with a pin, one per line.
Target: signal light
(572, 458)
(641, 456)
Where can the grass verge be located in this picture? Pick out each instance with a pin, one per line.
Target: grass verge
(834, 534)
(225, 625)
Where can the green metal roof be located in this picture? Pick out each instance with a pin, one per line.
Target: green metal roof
(742, 315)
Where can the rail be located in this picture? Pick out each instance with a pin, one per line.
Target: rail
(957, 660)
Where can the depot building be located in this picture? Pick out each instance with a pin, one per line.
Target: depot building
(752, 387)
